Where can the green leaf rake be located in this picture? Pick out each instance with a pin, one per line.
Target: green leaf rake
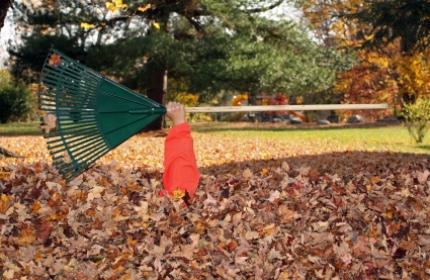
(87, 115)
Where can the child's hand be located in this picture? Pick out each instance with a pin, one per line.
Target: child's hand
(176, 112)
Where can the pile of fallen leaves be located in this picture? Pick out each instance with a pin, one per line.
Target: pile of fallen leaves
(264, 210)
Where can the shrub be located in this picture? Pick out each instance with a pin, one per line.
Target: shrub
(188, 99)
(15, 99)
(417, 118)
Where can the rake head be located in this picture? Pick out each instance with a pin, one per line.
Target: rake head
(86, 114)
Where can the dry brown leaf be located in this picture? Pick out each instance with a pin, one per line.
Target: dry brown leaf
(286, 214)
(423, 176)
(247, 173)
(49, 123)
(329, 214)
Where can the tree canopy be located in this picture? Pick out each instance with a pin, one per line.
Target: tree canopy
(407, 20)
(204, 46)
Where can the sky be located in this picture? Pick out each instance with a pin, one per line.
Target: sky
(8, 33)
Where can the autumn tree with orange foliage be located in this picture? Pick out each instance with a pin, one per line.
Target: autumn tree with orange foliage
(391, 70)
(406, 23)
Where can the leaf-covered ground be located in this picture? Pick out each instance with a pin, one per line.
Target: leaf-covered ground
(265, 209)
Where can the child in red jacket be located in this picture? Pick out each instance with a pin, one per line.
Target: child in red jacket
(181, 175)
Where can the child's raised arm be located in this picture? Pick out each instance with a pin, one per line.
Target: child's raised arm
(181, 175)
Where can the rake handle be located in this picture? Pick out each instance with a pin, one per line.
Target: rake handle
(273, 108)
(147, 111)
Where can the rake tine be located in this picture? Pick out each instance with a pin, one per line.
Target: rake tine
(93, 114)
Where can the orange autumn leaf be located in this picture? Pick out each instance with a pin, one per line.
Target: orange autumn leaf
(264, 172)
(27, 236)
(4, 175)
(131, 242)
(144, 8)
(55, 60)
(36, 207)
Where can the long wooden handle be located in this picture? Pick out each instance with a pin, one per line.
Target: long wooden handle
(271, 108)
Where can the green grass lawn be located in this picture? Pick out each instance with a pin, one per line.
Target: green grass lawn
(391, 138)
(15, 129)
(386, 138)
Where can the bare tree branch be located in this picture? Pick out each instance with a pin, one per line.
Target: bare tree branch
(265, 9)
(196, 25)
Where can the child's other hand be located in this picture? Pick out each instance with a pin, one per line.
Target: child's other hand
(176, 112)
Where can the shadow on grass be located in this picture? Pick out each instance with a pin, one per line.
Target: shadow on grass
(345, 164)
(424, 147)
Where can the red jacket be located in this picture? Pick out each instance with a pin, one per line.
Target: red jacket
(180, 168)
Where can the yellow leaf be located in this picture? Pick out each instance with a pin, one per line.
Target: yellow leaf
(269, 230)
(86, 26)
(110, 6)
(156, 25)
(120, 5)
(144, 8)
(178, 194)
(284, 275)
(264, 172)
(247, 173)
(5, 203)
(369, 37)
(115, 5)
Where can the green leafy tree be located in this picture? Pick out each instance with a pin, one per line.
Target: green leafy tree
(15, 99)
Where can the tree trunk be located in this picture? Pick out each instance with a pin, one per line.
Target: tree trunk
(157, 77)
(4, 7)
(156, 90)
(406, 50)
